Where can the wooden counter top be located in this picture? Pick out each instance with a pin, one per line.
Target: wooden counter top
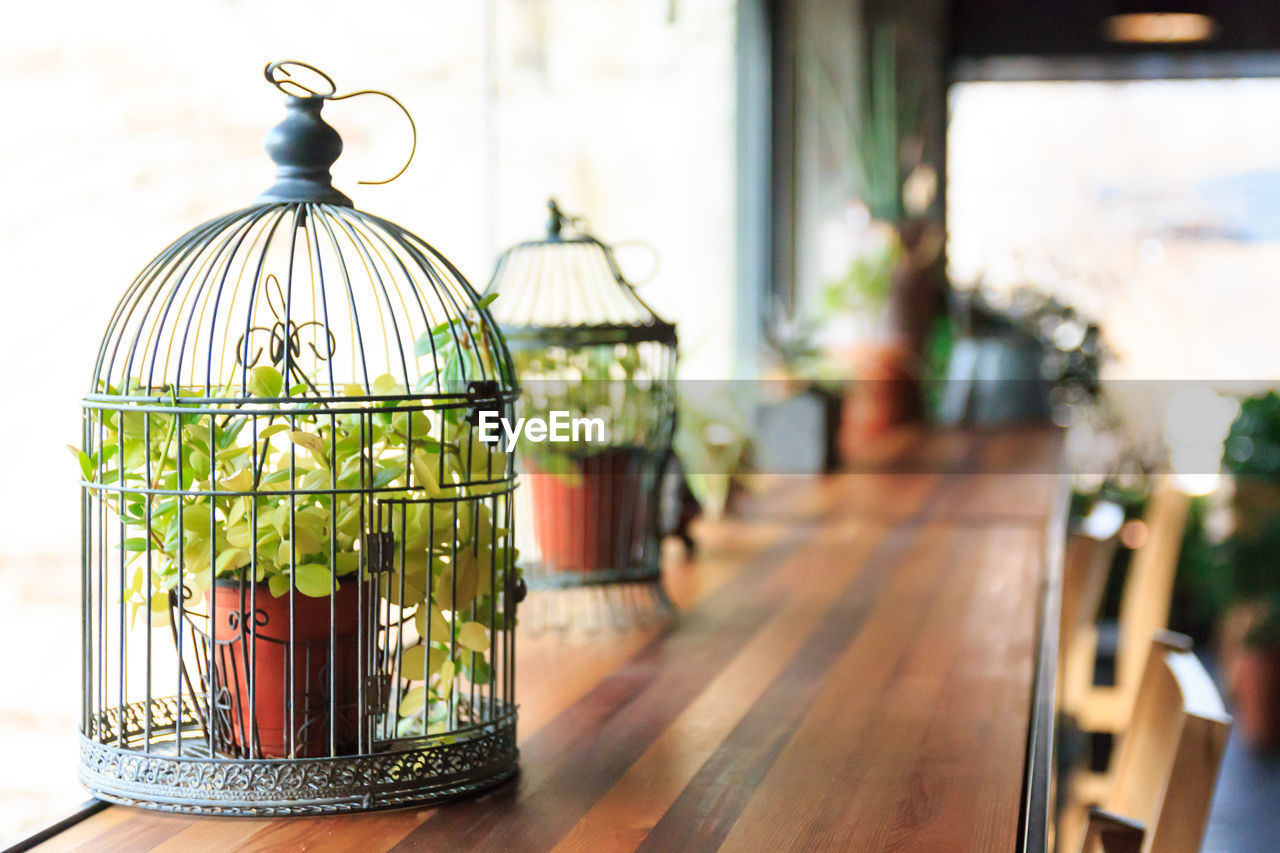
(855, 669)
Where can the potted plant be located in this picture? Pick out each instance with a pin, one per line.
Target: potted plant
(1251, 629)
(592, 498)
(280, 563)
(1022, 355)
(798, 418)
(893, 283)
(714, 446)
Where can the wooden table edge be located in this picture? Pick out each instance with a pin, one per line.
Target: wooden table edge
(1037, 808)
(41, 834)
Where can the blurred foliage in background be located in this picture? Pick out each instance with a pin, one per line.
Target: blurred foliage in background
(1251, 554)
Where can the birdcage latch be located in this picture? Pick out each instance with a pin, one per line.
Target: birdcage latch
(381, 550)
(481, 395)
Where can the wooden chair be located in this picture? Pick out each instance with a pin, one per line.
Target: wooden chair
(1109, 833)
(1144, 609)
(1086, 564)
(1168, 762)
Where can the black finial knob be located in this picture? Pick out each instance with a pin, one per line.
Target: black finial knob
(303, 147)
(555, 220)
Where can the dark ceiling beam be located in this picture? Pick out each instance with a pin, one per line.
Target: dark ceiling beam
(1056, 28)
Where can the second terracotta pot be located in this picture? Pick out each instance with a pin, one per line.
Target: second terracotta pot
(592, 517)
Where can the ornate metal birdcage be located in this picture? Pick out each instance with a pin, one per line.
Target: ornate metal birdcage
(588, 351)
(299, 569)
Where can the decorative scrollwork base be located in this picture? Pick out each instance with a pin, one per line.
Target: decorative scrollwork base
(405, 773)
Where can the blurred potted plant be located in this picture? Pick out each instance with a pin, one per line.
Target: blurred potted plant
(1021, 355)
(713, 444)
(798, 419)
(893, 277)
(1251, 630)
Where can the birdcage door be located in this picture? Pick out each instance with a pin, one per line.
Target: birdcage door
(445, 644)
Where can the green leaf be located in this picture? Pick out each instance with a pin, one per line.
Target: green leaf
(195, 519)
(199, 464)
(231, 560)
(413, 701)
(265, 381)
(386, 385)
(473, 636)
(86, 464)
(439, 627)
(423, 473)
(278, 584)
(137, 543)
(193, 436)
(415, 658)
(135, 424)
(237, 510)
(241, 481)
(422, 346)
(478, 671)
(445, 685)
(310, 441)
(346, 562)
(486, 301)
(227, 436)
(239, 533)
(313, 580)
(386, 474)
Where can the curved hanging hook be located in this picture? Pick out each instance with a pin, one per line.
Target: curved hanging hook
(292, 87)
(270, 73)
(653, 252)
(413, 129)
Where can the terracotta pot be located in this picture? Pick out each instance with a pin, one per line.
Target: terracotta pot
(1255, 692)
(1235, 625)
(885, 394)
(593, 517)
(266, 716)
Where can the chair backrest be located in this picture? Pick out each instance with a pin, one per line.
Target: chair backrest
(1168, 761)
(1108, 833)
(1085, 566)
(1148, 588)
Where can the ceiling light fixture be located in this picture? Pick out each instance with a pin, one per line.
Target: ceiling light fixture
(1159, 28)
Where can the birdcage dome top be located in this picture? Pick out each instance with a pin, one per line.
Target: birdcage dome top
(567, 289)
(341, 303)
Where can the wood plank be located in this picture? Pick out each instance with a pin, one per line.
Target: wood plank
(910, 719)
(709, 807)
(622, 817)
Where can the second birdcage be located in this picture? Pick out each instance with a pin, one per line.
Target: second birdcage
(597, 366)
